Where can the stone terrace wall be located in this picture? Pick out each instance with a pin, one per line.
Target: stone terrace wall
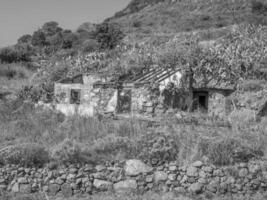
(244, 178)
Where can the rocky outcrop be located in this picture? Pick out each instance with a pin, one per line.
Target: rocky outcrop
(134, 175)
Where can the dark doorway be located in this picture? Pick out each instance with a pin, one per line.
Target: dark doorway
(200, 100)
(124, 101)
(75, 96)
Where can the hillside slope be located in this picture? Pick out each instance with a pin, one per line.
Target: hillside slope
(165, 17)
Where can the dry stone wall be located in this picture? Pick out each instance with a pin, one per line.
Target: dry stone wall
(134, 175)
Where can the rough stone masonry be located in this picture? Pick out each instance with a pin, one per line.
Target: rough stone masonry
(134, 175)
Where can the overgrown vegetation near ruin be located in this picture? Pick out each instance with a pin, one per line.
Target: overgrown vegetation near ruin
(38, 136)
(220, 42)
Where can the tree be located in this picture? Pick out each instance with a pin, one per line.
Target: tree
(51, 28)
(24, 52)
(39, 38)
(69, 40)
(89, 46)
(25, 39)
(8, 55)
(87, 27)
(55, 42)
(108, 35)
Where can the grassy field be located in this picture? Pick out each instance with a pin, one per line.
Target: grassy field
(32, 131)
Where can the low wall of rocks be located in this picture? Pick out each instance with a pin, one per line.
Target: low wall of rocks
(134, 175)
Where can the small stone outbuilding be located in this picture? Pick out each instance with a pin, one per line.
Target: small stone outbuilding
(153, 93)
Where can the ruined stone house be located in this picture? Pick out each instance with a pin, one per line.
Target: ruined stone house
(154, 93)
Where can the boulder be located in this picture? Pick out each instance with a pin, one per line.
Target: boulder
(192, 171)
(196, 188)
(15, 188)
(243, 172)
(102, 185)
(198, 164)
(100, 168)
(127, 185)
(136, 167)
(22, 180)
(53, 189)
(66, 190)
(25, 188)
(160, 176)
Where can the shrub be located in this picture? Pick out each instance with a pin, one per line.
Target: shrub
(242, 117)
(71, 151)
(252, 85)
(108, 35)
(25, 155)
(89, 46)
(14, 71)
(258, 7)
(69, 40)
(9, 55)
(137, 24)
(157, 148)
(25, 39)
(38, 38)
(220, 152)
(114, 147)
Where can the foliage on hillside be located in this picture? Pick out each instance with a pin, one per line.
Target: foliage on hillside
(178, 16)
(51, 39)
(238, 56)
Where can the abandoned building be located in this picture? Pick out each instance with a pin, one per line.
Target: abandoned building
(154, 92)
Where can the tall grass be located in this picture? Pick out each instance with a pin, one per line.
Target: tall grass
(93, 140)
(12, 71)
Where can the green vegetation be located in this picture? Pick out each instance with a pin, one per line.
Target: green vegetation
(169, 18)
(27, 129)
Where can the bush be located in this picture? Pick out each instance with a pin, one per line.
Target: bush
(38, 38)
(137, 24)
(114, 147)
(158, 148)
(9, 55)
(89, 46)
(70, 151)
(14, 71)
(25, 155)
(25, 39)
(242, 117)
(220, 152)
(252, 85)
(258, 7)
(108, 35)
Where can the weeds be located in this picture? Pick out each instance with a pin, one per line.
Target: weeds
(93, 140)
(12, 71)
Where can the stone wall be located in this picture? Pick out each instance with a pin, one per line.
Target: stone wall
(134, 175)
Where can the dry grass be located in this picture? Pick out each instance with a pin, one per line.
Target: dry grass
(94, 140)
(14, 71)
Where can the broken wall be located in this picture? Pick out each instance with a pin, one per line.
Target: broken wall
(92, 100)
(152, 100)
(219, 104)
(141, 100)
